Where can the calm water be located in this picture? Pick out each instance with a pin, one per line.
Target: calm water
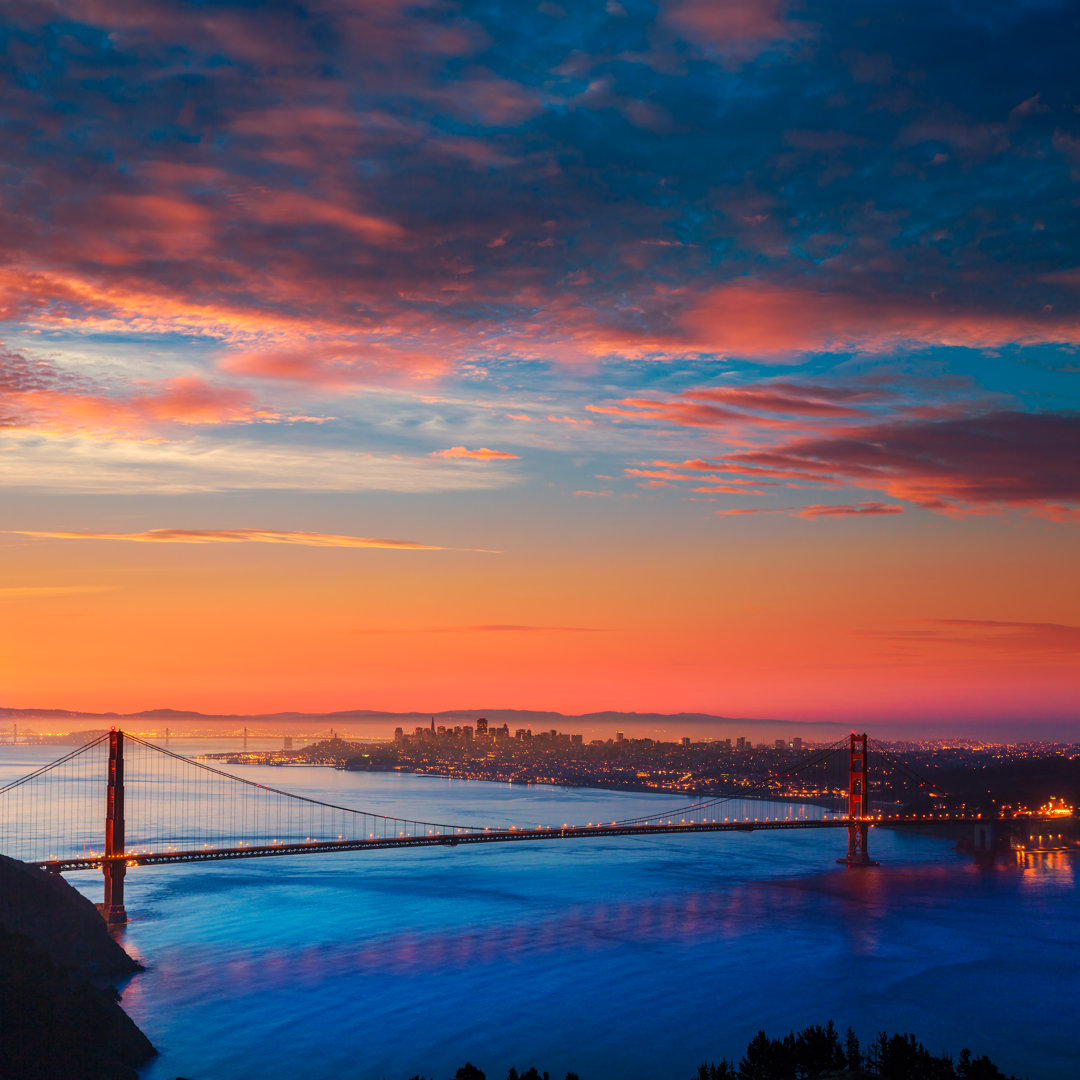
(633, 958)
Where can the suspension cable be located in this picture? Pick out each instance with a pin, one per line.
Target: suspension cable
(291, 795)
(53, 764)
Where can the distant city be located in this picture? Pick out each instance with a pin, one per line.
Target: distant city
(1010, 777)
(991, 776)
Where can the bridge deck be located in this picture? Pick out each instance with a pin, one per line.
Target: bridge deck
(488, 836)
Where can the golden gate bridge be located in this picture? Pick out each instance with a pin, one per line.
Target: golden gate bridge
(160, 807)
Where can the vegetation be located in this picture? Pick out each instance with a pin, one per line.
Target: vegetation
(817, 1052)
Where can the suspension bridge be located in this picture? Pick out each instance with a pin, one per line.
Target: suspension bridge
(160, 807)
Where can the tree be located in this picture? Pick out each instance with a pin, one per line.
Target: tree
(722, 1070)
(851, 1045)
(903, 1057)
(816, 1050)
(469, 1071)
(768, 1059)
(980, 1068)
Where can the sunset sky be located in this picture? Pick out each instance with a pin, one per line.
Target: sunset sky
(705, 355)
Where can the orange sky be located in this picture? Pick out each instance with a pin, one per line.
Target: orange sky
(812, 620)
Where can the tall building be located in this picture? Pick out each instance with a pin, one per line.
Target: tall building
(481, 726)
(399, 735)
(796, 744)
(740, 743)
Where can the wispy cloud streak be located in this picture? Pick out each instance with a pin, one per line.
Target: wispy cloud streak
(244, 536)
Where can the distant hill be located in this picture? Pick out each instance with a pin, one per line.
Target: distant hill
(519, 717)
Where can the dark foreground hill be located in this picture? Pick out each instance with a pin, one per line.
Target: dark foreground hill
(59, 1011)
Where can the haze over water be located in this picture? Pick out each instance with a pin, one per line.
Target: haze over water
(632, 957)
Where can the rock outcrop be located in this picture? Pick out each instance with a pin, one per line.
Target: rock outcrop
(59, 1011)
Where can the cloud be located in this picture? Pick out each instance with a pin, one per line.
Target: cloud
(40, 396)
(483, 454)
(803, 399)
(853, 510)
(1031, 106)
(727, 406)
(734, 28)
(242, 536)
(1004, 458)
(687, 413)
(203, 464)
(780, 322)
(817, 510)
(1041, 638)
(749, 510)
(330, 195)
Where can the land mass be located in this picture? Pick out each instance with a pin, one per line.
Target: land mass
(509, 716)
(58, 973)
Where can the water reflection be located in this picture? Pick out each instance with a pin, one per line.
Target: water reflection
(642, 956)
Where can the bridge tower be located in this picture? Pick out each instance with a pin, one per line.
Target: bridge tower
(858, 809)
(114, 868)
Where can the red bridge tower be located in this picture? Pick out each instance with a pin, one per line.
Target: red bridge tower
(858, 804)
(114, 865)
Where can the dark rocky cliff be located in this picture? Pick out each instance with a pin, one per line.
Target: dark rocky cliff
(59, 1015)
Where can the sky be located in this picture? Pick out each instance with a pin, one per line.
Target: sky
(682, 355)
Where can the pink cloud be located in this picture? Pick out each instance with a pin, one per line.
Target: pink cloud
(1040, 639)
(480, 96)
(736, 28)
(483, 454)
(747, 510)
(863, 509)
(338, 361)
(236, 536)
(293, 208)
(992, 459)
(871, 509)
(1031, 106)
(786, 397)
(674, 411)
(780, 322)
(732, 406)
(38, 396)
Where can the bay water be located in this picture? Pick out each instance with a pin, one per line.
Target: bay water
(634, 958)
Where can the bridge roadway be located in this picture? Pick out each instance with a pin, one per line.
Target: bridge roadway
(490, 836)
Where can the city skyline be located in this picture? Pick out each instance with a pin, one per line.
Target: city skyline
(696, 356)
